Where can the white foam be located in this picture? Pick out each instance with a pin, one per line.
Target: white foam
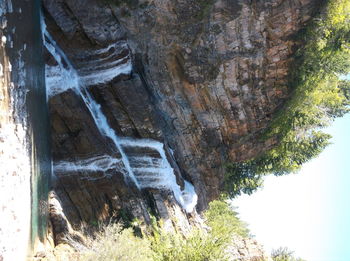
(105, 67)
(87, 168)
(90, 74)
(100, 163)
(189, 196)
(57, 80)
(60, 79)
(106, 75)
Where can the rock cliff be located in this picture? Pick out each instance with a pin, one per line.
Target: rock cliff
(24, 131)
(201, 78)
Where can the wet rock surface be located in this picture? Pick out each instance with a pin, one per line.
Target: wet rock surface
(205, 79)
(24, 140)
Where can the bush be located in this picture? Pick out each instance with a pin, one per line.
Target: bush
(197, 246)
(112, 244)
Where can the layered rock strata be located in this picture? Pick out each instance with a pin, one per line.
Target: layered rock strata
(202, 77)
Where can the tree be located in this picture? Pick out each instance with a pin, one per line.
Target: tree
(284, 254)
(224, 221)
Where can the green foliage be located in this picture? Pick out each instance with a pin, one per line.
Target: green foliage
(316, 93)
(197, 246)
(113, 243)
(241, 177)
(200, 245)
(125, 217)
(284, 254)
(344, 87)
(224, 221)
(294, 151)
(317, 97)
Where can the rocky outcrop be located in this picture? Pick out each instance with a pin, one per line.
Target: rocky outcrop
(202, 77)
(246, 249)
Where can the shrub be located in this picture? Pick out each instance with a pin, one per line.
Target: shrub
(197, 246)
(200, 245)
(112, 243)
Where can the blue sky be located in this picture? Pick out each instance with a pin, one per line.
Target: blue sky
(309, 212)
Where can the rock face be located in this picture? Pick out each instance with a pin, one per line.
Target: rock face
(24, 141)
(217, 71)
(246, 249)
(202, 77)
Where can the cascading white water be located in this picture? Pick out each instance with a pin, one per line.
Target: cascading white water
(96, 164)
(145, 172)
(153, 172)
(71, 80)
(91, 74)
(95, 70)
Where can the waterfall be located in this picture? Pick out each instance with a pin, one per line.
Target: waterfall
(145, 171)
(97, 70)
(101, 163)
(156, 171)
(71, 80)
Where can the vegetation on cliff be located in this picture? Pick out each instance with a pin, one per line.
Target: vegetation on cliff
(112, 242)
(284, 254)
(317, 96)
(115, 241)
(200, 245)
